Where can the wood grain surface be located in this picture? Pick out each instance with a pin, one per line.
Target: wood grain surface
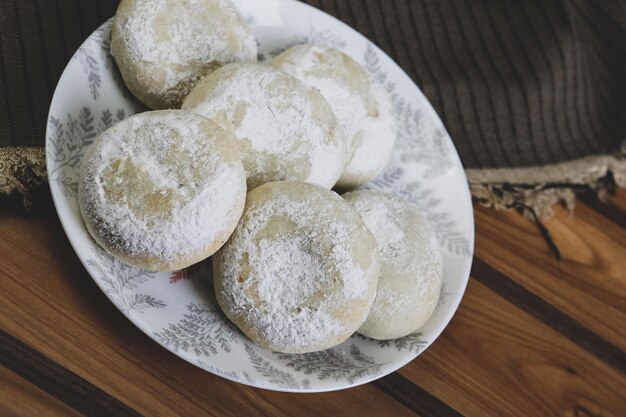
(533, 336)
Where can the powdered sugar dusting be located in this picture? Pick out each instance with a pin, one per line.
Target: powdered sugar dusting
(374, 142)
(157, 186)
(363, 108)
(286, 131)
(290, 270)
(179, 41)
(411, 264)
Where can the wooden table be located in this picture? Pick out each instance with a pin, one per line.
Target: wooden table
(532, 337)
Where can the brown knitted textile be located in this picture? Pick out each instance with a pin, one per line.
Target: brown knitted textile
(533, 92)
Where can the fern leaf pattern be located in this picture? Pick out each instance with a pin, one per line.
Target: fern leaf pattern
(102, 38)
(274, 375)
(329, 364)
(118, 279)
(90, 66)
(142, 302)
(414, 342)
(106, 121)
(426, 200)
(97, 51)
(248, 378)
(416, 146)
(68, 141)
(443, 295)
(434, 152)
(218, 371)
(204, 331)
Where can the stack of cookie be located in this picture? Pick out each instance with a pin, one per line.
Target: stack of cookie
(238, 160)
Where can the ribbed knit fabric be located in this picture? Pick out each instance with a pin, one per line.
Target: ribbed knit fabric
(518, 83)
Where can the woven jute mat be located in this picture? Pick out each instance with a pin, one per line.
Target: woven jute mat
(533, 92)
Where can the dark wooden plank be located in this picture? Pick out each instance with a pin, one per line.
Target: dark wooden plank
(20, 398)
(608, 208)
(494, 359)
(522, 298)
(587, 285)
(605, 209)
(618, 200)
(414, 397)
(58, 381)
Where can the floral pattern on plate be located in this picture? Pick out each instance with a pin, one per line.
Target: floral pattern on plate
(178, 310)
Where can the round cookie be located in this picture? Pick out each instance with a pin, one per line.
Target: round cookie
(164, 47)
(162, 190)
(285, 130)
(362, 105)
(299, 273)
(411, 264)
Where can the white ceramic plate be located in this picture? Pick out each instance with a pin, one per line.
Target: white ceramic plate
(178, 310)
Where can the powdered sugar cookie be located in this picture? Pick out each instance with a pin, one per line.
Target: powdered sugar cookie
(164, 47)
(162, 190)
(411, 262)
(363, 108)
(299, 273)
(285, 130)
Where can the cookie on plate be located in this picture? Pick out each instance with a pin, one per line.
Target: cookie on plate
(164, 47)
(299, 273)
(162, 190)
(411, 264)
(362, 105)
(284, 129)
